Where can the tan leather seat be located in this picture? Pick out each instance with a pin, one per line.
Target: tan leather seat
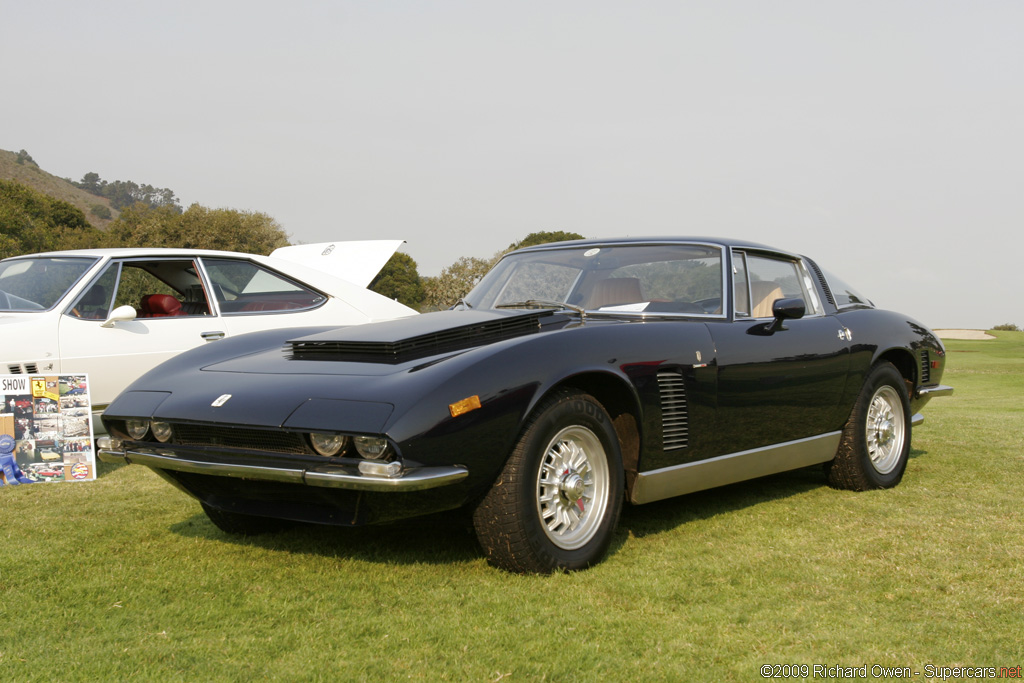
(764, 295)
(615, 291)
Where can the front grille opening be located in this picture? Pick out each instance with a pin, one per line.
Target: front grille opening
(244, 438)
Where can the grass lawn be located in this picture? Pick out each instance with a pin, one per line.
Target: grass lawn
(125, 579)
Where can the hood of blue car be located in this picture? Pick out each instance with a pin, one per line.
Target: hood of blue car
(407, 339)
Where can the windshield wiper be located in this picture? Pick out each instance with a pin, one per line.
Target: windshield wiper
(541, 303)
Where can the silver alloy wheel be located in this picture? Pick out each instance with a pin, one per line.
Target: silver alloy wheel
(572, 487)
(885, 429)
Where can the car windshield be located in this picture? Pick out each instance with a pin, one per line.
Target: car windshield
(642, 278)
(36, 284)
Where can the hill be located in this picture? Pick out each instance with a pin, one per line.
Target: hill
(28, 173)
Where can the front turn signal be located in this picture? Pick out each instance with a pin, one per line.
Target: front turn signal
(464, 406)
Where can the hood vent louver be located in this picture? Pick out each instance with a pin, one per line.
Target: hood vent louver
(413, 348)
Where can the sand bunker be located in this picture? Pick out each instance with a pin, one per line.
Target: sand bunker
(963, 334)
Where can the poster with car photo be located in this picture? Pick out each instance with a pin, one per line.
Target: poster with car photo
(45, 429)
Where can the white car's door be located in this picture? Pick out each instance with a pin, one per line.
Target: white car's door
(135, 315)
(116, 355)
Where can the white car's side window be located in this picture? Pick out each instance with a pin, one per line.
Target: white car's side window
(94, 304)
(162, 288)
(242, 287)
(159, 288)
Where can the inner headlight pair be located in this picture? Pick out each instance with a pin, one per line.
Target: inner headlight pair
(138, 429)
(368, 447)
(328, 445)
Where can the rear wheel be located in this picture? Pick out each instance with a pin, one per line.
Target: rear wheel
(875, 445)
(243, 525)
(557, 501)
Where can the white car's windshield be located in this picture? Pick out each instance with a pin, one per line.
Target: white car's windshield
(642, 278)
(35, 284)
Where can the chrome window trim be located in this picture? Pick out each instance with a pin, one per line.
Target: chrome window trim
(209, 283)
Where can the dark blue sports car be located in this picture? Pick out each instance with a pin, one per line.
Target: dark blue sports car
(574, 377)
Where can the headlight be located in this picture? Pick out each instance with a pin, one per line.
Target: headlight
(328, 444)
(162, 431)
(137, 429)
(371, 447)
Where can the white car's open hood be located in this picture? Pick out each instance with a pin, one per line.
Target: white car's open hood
(357, 262)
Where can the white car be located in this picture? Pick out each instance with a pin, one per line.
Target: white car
(116, 313)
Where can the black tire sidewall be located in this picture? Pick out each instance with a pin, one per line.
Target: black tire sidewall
(575, 409)
(884, 374)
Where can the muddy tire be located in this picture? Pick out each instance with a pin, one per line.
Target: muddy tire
(556, 503)
(875, 445)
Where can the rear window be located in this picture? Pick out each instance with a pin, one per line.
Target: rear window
(844, 294)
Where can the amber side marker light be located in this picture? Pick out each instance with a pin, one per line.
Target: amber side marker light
(464, 406)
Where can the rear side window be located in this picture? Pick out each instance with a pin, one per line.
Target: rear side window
(244, 288)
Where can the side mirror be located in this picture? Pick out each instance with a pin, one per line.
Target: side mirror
(783, 310)
(119, 315)
(788, 309)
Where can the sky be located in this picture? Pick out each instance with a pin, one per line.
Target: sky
(885, 139)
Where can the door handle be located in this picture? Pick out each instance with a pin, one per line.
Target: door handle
(212, 336)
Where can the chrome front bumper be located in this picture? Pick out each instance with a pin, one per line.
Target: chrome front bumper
(327, 475)
(932, 392)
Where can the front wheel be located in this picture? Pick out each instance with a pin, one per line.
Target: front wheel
(557, 501)
(875, 444)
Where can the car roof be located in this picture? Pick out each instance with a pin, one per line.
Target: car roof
(657, 239)
(117, 252)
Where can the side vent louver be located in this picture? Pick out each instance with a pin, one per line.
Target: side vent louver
(822, 280)
(26, 369)
(674, 416)
(926, 368)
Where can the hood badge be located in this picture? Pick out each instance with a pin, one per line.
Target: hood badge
(221, 400)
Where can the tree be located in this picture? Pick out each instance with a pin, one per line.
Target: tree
(24, 156)
(31, 221)
(92, 183)
(199, 227)
(454, 282)
(543, 237)
(125, 193)
(399, 279)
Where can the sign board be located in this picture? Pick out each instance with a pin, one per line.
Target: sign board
(45, 429)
